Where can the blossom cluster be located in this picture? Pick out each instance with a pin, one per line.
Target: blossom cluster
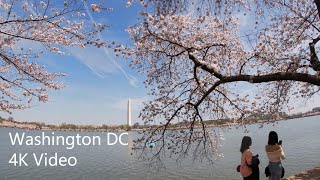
(52, 26)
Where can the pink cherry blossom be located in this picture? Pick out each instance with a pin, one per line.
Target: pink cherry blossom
(49, 24)
(204, 65)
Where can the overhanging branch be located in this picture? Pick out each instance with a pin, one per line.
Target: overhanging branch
(288, 76)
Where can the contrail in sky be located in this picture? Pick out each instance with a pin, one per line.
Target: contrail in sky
(131, 79)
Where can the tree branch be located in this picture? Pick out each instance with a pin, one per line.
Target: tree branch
(314, 61)
(317, 2)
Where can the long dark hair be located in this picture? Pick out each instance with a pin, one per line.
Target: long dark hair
(245, 144)
(273, 138)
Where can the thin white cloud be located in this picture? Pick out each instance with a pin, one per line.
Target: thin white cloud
(99, 61)
(132, 80)
(95, 59)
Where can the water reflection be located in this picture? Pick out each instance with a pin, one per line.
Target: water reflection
(116, 162)
(130, 144)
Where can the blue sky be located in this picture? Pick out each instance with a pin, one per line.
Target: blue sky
(98, 85)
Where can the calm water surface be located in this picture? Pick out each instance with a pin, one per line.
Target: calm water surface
(301, 142)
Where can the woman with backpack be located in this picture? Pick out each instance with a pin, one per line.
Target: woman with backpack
(249, 164)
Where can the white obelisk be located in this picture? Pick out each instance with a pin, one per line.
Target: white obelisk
(129, 113)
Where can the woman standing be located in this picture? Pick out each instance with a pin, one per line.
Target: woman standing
(275, 155)
(246, 159)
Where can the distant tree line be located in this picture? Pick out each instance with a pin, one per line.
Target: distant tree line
(254, 118)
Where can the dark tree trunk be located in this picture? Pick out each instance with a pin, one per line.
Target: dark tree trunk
(317, 2)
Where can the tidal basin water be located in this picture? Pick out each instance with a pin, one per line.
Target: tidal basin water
(301, 142)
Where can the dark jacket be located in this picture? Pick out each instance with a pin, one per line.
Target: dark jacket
(255, 167)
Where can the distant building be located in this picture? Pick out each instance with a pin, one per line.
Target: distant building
(129, 123)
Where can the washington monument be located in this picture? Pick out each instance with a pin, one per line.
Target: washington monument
(129, 113)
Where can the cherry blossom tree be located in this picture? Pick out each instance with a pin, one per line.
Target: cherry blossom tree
(198, 64)
(52, 25)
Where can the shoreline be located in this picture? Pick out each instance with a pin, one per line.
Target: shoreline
(26, 126)
(311, 174)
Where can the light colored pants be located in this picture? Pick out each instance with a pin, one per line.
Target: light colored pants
(275, 169)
